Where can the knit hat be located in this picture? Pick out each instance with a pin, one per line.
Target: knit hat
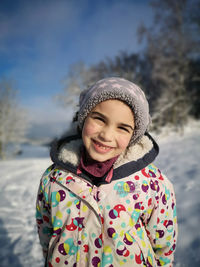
(120, 89)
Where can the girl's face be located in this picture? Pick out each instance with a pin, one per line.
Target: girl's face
(108, 129)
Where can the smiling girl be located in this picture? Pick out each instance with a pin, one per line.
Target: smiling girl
(107, 130)
(103, 202)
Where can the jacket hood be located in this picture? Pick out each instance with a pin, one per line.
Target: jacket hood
(66, 153)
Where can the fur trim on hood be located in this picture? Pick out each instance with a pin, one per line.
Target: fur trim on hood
(66, 152)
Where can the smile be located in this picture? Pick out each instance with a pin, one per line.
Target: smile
(101, 148)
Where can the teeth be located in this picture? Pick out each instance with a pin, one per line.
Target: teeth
(103, 147)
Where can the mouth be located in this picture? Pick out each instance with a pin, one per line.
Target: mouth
(101, 148)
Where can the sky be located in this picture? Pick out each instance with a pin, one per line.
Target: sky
(41, 39)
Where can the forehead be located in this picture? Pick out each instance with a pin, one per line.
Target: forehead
(114, 107)
(113, 103)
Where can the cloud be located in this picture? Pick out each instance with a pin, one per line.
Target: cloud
(59, 31)
(40, 39)
(37, 22)
(112, 28)
(36, 43)
(48, 119)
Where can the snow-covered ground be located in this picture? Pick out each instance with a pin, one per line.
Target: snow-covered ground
(19, 247)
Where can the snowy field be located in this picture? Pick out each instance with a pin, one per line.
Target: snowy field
(179, 160)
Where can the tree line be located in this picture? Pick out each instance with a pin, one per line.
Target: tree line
(13, 118)
(168, 69)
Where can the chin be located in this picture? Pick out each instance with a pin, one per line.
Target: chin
(100, 158)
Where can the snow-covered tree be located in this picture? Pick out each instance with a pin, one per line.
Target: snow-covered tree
(13, 119)
(78, 78)
(81, 76)
(171, 45)
(167, 70)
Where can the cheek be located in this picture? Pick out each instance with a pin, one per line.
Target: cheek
(123, 142)
(88, 129)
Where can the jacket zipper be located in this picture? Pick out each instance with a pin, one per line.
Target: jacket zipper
(89, 206)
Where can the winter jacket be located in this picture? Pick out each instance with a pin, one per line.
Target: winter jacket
(86, 221)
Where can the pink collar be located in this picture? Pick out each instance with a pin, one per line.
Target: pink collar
(96, 168)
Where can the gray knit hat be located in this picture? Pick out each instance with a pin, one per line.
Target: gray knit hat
(121, 89)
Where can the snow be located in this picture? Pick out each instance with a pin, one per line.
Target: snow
(178, 159)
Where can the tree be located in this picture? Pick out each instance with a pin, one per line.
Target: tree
(193, 85)
(193, 82)
(171, 45)
(81, 77)
(78, 78)
(13, 121)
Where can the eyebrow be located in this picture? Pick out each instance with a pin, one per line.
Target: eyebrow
(121, 124)
(127, 125)
(98, 113)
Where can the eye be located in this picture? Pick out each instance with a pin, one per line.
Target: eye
(99, 118)
(124, 129)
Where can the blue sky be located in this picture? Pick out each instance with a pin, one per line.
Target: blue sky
(40, 39)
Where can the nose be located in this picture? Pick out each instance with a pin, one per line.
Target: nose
(106, 134)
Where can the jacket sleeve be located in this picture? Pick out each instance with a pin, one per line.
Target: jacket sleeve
(162, 224)
(43, 213)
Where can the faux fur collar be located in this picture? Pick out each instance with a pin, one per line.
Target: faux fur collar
(70, 152)
(66, 154)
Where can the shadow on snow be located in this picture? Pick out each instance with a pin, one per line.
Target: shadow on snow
(7, 255)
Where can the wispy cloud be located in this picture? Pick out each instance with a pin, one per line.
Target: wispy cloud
(37, 24)
(39, 40)
(114, 28)
(44, 37)
(37, 43)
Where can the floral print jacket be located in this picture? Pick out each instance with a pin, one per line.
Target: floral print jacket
(130, 221)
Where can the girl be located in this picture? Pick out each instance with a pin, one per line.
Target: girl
(103, 202)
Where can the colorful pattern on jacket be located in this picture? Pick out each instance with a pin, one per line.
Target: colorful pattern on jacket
(129, 222)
